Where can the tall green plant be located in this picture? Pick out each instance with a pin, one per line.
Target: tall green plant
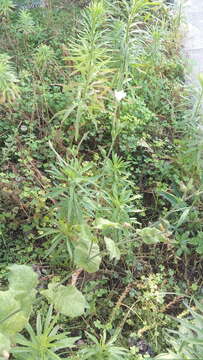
(119, 199)
(126, 32)
(6, 8)
(76, 205)
(92, 206)
(90, 62)
(9, 89)
(43, 57)
(25, 22)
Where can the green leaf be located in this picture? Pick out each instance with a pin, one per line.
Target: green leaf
(86, 256)
(22, 281)
(12, 319)
(183, 217)
(169, 356)
(49, 293)
(16, 303)
(22, 277)
(151, 235)
(113, 250)
(101, 224)
(174, 200)
(192, 340)
(197, 242)
(69, 342)
(67, 300)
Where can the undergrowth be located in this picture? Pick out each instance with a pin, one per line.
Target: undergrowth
(101, 178)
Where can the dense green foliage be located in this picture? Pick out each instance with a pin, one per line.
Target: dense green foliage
(187, 343)
(100, 182)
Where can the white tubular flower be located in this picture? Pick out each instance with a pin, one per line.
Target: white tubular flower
(119, 95)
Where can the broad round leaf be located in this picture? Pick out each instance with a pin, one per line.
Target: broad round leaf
(12, 320)
(86, 256)
(22, 278)
(67, 300)
(151, 235)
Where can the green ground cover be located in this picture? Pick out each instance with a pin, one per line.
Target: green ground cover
(100, 183)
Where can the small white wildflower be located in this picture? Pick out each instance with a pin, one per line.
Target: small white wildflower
(23, 128)
(119, 95)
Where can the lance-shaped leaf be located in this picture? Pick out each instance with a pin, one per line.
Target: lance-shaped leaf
(112, 248)
(103, 224)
